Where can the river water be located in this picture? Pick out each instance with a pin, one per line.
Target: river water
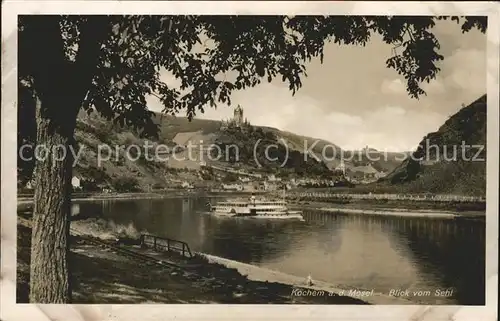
(349, 251)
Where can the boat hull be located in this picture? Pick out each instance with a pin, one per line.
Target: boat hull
(261, 209)
(270, 216)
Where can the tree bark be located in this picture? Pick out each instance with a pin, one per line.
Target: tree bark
(49, 275)
(59, 86)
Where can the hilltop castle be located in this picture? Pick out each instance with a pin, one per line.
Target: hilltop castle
(237, 120)
(238, 116)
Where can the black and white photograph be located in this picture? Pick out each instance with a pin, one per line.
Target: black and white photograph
(302, 156)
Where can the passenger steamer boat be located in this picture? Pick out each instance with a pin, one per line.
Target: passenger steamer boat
(269, 209)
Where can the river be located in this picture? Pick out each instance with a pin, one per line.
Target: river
(350, 251)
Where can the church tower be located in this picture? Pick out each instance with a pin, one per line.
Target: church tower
(238, 116)
(341, 167)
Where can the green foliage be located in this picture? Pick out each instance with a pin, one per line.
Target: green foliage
(461, 175)
(111, 63)
(120, 57)
(158, 186)
(89, 186)
(125, 184)
(95, 174)
(230, 178)
(260, 148)
(468, 126)
(207, 173)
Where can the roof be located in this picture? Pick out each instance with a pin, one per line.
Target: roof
(368, 169)
(183, 139)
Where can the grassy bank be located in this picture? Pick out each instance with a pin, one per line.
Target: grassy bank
(102, 276)
(373, 204)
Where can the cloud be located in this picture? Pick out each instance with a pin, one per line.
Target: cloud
(274, 106)
(393, 87)
(462, 79)
(393, 128)
(468, 71)
(451, 39)
(390, 127)
(434, 87)
(462, 74)
(354, 100)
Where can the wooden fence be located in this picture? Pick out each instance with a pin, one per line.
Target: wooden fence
(166, 244)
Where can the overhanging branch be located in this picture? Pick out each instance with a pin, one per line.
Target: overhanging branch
(93, 32)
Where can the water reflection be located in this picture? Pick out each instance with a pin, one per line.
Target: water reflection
(365, 252)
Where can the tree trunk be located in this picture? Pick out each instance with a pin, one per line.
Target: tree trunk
(59, 86)
(49, 277)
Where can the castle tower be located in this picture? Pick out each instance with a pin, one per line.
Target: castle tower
(238, 116)
(341, 167)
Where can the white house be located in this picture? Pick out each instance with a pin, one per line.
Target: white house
(270, 186)
(368, 171)
(232, 187)
(75, 182)
(250, 187)
(30, 184)
(271, 178)
(187, 185)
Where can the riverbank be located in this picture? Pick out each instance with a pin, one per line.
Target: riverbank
(90, 197)
(394, 208)
(100, 196)
(101, 276)
(389, 212)
(402, 208)
(256, 273)
(450, 206)
(397, 212)
(26, 203)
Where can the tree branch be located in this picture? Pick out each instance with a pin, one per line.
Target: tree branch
(93, 32)
(43, 52)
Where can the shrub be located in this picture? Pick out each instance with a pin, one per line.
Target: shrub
(125, 184)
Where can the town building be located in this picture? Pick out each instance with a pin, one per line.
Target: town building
(76, 182)
(250, 187)
(187, 185)
(232, 187)
(270, 186)
(341, 167)
(364, 173)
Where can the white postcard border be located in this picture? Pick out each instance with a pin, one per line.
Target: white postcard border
(12, 311)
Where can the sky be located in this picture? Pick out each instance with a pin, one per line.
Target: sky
(353, 100)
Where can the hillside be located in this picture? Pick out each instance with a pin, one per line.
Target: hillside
(181, 164)
(322, 150)
(260, 149)
(119, 173)
(443, 169)
(382, 161)
(170, 126)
